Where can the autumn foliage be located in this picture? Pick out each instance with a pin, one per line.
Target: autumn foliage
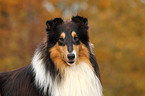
(117, 29)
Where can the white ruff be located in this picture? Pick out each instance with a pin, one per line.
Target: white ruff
(79, 80)
(42, 78)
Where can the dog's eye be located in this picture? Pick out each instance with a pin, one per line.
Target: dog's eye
(76, 38)
(61, 39)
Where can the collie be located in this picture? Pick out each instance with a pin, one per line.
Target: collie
(64, 64)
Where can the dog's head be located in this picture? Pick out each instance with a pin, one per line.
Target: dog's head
(68, 40)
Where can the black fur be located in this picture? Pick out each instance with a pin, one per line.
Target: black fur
(21, 82)
(18, 83)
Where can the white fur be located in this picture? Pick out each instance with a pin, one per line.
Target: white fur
(78, 80)
(74, 52)
(42, 79)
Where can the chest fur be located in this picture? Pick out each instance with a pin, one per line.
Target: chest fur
(78, 80)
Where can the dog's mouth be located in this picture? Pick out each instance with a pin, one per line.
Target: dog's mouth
(71, 62)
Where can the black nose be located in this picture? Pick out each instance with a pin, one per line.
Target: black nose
(71, 56)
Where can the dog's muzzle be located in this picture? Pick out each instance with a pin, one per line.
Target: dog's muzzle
(71, 58)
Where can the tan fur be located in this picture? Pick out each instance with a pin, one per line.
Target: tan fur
(62, 35)
(83, 55)
(63, 51)
(59, 55)
(73, 34)
(57, 58)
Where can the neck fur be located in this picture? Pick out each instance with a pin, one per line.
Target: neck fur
(43, 80)
(77, 80)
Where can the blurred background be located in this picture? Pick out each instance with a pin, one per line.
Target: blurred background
(117, 30)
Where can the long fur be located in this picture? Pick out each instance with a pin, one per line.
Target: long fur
(49, 75)
(79, 80)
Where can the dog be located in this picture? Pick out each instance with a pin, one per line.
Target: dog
(64, 64)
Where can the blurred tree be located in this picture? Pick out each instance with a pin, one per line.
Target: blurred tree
(117, 29)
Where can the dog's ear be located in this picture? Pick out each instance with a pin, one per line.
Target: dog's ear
(80, 20)
(53, 23)
(83, 28)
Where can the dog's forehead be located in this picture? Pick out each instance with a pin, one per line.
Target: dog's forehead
(68, 27)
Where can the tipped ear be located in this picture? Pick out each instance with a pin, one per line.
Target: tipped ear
(79, 19)
(53, 23)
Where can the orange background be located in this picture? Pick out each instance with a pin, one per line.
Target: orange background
(117, 29)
